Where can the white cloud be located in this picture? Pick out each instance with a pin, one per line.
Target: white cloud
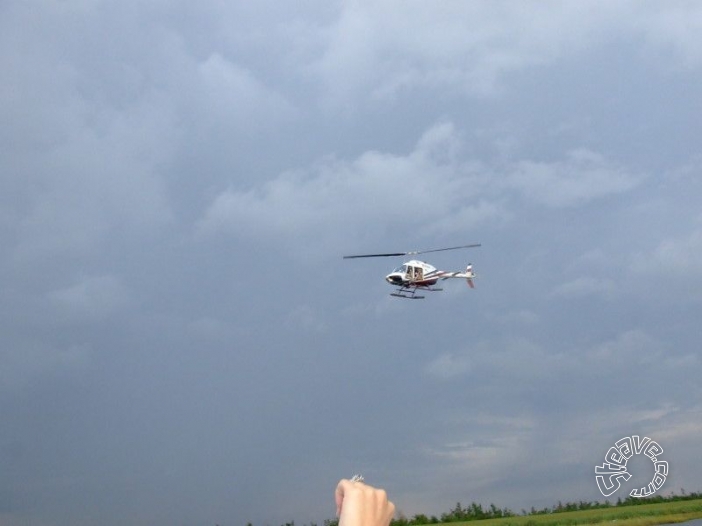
(229, 95)
(93, 297)
(483, 458)
(428, 189)
(501, 358)
(529, 360)
(432, 190)
(389, 47)
(583, 177)
(680, 256)
(678, 424)
(492, 448)
(636, 348)
(586, 286)
(675, 27)
(386, 47)
(449, 365)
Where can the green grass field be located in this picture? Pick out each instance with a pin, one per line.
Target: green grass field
(641, 515)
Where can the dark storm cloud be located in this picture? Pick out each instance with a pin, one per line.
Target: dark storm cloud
(182, 341)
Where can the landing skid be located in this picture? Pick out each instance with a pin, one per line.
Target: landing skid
(411, 293)
(409, 296)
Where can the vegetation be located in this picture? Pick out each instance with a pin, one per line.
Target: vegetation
(649, 511)
(633, 511)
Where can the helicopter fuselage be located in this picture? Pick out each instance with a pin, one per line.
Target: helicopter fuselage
(415, 273)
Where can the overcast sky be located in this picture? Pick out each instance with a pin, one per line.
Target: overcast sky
(182, 342)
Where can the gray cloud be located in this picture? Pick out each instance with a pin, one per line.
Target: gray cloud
(182, 341)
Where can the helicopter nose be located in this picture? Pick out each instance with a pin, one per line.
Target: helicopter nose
(393, 278)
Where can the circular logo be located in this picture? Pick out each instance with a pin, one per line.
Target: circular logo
(610, 474)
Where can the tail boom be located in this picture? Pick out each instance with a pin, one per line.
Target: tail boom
(468, 275)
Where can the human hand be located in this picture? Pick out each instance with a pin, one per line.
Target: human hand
(358, 504)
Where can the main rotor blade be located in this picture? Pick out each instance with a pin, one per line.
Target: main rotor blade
(442, 249)
(377, 255)
(411, 253)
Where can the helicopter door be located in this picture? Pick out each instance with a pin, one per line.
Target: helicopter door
(414, 273)
(409, 273)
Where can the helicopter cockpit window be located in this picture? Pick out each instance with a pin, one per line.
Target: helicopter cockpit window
(400, 269)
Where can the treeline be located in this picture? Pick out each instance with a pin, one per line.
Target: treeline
(629, 501)
(475, 512)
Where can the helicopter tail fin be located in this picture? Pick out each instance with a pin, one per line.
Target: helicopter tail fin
(471, 275)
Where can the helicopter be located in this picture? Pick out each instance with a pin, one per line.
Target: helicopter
(416, 275)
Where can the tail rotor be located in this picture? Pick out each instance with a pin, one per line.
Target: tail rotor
(470, 275)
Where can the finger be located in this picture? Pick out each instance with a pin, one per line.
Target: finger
(343, 488)
(391, 510)
(339, 494)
